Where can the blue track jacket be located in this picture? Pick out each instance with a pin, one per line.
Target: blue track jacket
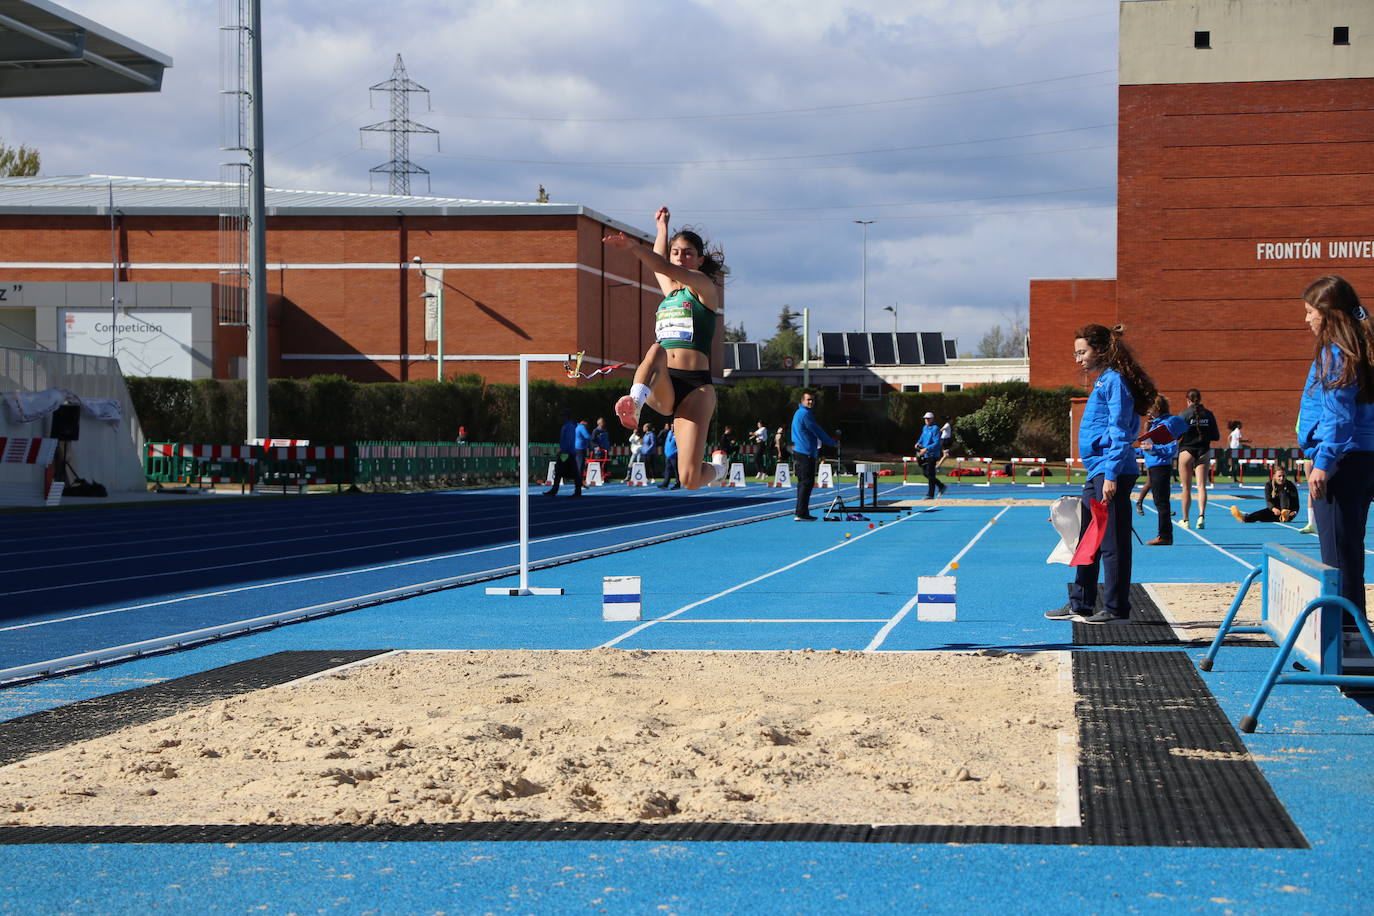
(1109, 428)
(1330, 421)
(1160, 455)
(930, 441)
(807, 434)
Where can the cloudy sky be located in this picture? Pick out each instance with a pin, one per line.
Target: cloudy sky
(979, 136)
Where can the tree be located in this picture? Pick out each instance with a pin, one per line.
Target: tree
(1005, 341)
(18, 162)
(787, 342)
(737, 334)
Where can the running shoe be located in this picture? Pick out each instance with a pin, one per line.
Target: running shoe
(1061, 613)
(1102, 617)
(1307, 529)
(1140, 507)
(627, 411)
(1185, 524)
(1201, 522)
(1235, 511)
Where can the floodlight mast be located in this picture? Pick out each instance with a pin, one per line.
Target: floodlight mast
(258, 414)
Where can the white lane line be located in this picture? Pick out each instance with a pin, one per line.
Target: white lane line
(780, 620)
(1220, 550)
(734, 588)
(381, 568)
(1068, 812)
(906, 608)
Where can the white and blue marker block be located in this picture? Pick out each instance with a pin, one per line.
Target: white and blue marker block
(620, 598)
(935, 598)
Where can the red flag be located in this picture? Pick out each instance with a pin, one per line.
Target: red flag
(1092, 537)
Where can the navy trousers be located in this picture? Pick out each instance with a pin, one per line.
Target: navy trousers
(1113, 558)
(1340, 517)
(1161, 482)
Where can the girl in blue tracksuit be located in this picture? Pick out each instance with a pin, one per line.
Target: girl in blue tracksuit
(1106, 442)
(1336, 426)
(1159, 468)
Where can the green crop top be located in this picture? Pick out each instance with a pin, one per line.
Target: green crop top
(683, 323)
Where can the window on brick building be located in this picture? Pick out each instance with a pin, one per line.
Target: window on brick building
(1340, 35)
(949, 387)
(1202, 39)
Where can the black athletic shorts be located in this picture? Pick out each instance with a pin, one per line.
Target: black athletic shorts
(685, 381)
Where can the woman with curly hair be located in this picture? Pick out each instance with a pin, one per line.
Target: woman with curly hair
(1107, 435)
(1336, 427)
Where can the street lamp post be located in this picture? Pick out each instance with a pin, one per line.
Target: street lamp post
(865, 223)
(893, 309)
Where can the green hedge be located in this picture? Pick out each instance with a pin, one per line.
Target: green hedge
(331, 409)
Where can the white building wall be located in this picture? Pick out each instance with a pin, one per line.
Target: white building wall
(1251, 41)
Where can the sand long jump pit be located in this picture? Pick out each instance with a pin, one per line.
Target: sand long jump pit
(602, 735)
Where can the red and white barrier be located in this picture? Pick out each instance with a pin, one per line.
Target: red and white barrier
(987, 469)
(37, 452)
(1034, 463)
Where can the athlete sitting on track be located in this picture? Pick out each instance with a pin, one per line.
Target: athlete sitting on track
(675, 376)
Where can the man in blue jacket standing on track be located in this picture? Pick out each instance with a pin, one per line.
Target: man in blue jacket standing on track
(929, 449)
(567, 467)
(807, 438)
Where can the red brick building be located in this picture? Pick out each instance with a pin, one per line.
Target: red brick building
(344, 295)
(1245, 171)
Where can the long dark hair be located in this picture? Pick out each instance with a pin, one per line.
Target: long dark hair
(1118, 356)
(1346, 326)
(712, 261)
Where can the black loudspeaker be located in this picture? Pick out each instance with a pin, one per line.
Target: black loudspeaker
(66, 423)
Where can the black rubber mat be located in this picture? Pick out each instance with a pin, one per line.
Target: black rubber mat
(1147, 627)
(1160, 765)
(52, 729)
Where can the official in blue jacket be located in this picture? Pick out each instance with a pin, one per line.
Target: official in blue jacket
(1336, 427)
(567, 466)
(929, 448)
(1159, 467)
(1106, 442)
(807, 438)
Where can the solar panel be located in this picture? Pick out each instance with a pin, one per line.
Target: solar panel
(933, 346)
(884, 349)
(858, 349)
(908, 348)
(832, 350)
(951, 350)
(748, 356)
(731, 361)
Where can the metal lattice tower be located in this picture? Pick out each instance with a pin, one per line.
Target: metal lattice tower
(400, 168)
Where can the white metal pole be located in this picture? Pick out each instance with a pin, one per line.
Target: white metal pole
(439, 292)
(522, 464)
(806, 348)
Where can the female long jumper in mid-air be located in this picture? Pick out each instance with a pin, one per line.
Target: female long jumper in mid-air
(674, 377)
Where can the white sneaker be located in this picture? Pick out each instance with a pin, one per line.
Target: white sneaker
(1201, 523)
(1185, 524)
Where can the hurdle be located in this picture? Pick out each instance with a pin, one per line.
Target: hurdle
(1035, 463)
(1266, 457)
(986, 473)
(1302, 611)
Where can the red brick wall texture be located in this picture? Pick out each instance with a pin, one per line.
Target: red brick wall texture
(1232, 198)
(339, 310)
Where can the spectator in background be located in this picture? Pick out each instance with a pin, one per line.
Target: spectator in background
(1233, 439)
(601, 440)
(928, 450)
(946, 443)
(1280, 500)
(462, 435)
(669, 460)
(760, 442)
(636, 440)
(1195, 455)
(729, 444)
(779, 446)
(566, 468)
(648, 448)
(582, 444)
(807, 438)
(1159, 468)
